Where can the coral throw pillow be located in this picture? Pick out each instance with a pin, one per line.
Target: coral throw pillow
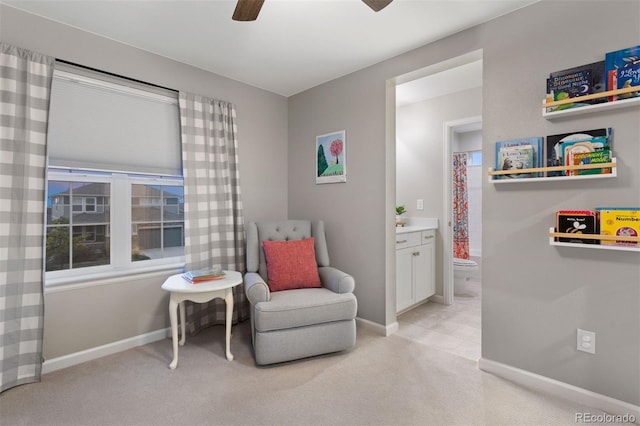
(291, 264)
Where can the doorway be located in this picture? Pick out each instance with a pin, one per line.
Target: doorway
(423, 173)
(462, 136)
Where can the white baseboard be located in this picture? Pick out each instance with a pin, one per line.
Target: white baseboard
(377, 328)
(65, 361)
(560, 389)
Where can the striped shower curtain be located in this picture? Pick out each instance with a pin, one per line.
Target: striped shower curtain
(25, 83)
(214, 222)
(460, 206)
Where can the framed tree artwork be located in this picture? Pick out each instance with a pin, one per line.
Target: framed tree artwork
(331, 163)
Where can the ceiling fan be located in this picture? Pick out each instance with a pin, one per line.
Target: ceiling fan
(248, 10)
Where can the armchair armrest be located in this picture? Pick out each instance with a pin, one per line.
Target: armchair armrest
(255, 288)
(336, 280)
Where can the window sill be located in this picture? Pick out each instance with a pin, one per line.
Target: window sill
(53, 285)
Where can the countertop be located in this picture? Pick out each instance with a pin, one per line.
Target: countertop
(406, 229)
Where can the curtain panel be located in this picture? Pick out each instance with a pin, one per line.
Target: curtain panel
(214, 222)
(25, 87)
(460, 206)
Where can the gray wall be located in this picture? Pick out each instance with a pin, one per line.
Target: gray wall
(79, 319)
(420, 153)
(534, 295)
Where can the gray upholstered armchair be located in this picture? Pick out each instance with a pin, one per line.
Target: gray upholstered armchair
(297, 323)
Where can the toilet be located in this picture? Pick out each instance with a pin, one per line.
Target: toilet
(463, 269)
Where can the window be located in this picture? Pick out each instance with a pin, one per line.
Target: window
(475, 158)
(112, 214)
(115, 198)
(76, 237)
(157, 221)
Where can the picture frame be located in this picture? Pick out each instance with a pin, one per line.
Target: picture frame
(331, 157)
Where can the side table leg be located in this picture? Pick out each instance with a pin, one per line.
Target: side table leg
(228, 298)
(183, 335)
(173, 317)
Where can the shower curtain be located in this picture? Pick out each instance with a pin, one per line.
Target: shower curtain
(460, 207)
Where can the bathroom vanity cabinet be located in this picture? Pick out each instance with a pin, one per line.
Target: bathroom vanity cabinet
(415, 267)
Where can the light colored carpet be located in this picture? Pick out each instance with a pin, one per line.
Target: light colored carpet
(454, 328)
(382, 381)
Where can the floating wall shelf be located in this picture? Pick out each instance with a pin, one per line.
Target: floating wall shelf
(622, 103)
(492, 173)
(553, 242)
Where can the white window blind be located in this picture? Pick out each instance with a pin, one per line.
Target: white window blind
(101, 122)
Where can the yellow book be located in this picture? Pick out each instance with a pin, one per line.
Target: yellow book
(623, 221)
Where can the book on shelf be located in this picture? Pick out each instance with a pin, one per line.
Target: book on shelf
(597, 139)
(622, 69)
(517, 154)
(577, 222)
(577, 81)
(581, 146)
(202, 275)
(595, 157)
(516, 158)
(621, 221)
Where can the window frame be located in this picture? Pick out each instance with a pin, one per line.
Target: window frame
(120, 225)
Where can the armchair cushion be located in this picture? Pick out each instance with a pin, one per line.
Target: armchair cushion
(291, 264)
(293, 309)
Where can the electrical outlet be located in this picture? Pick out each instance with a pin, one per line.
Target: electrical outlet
(586, 341)
(420, 204)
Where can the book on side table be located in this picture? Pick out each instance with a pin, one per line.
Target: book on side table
(202, 275)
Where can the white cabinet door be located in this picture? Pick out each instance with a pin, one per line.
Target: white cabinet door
(415, 268)
(404, 278)
(424, 271)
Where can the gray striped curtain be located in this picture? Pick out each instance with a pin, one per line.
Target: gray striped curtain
(25, 83)
(214, 222)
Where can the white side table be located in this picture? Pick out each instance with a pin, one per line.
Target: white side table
(182, 290)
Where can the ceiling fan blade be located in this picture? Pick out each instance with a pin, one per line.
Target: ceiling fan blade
(247, 10)
(377, 5)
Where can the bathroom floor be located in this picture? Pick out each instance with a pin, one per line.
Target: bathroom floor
(454, 328)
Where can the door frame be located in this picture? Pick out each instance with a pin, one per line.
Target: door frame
(446, 230)
(391, 324)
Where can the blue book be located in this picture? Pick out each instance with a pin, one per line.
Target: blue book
(504, 147)
(577, 81)
(623, 70)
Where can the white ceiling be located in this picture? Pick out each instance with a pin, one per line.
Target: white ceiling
(293, 46)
